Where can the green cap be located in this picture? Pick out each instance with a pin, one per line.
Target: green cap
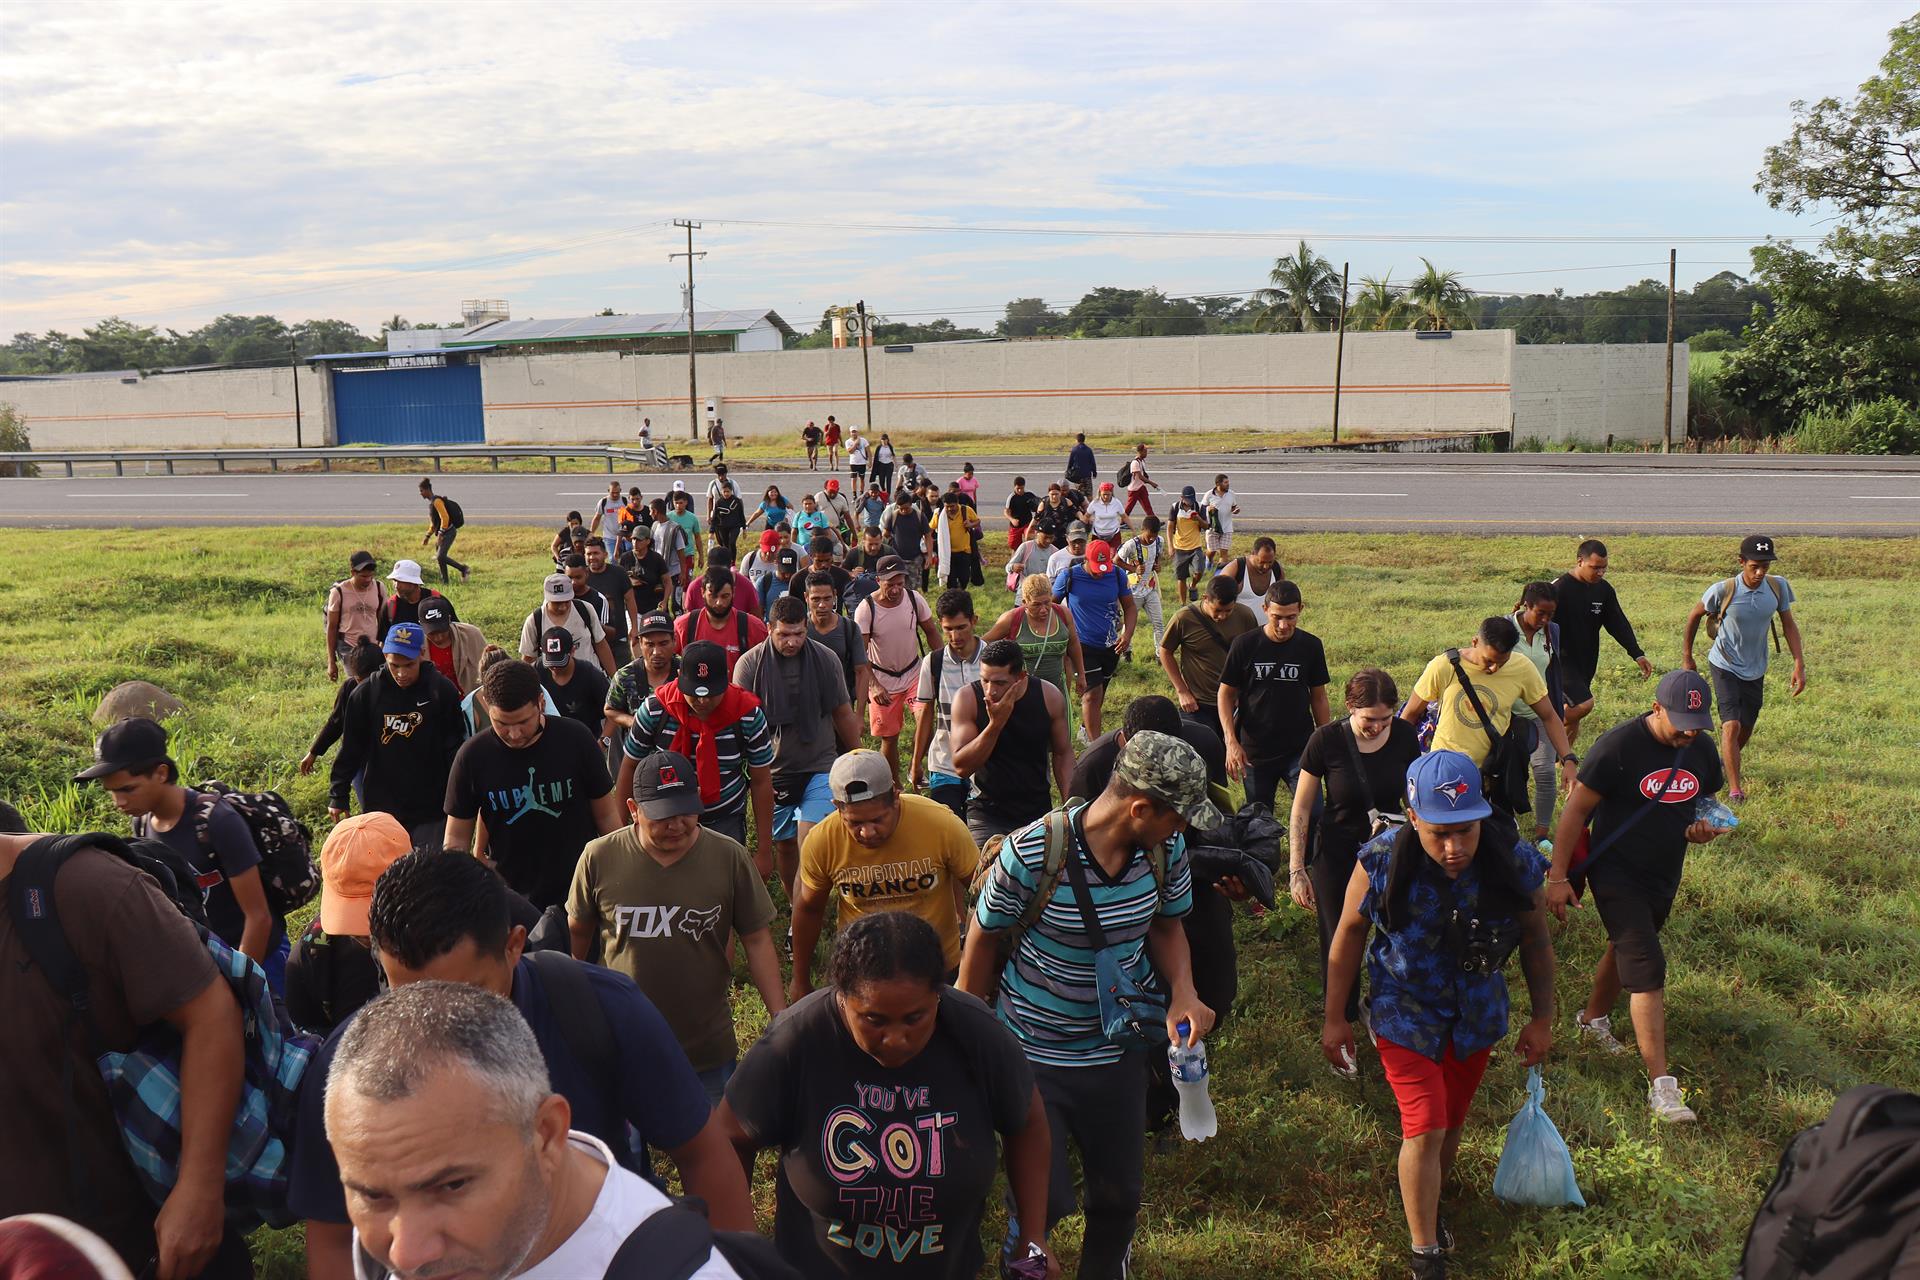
(1170, 771)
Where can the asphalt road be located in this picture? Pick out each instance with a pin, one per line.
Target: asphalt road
(1368, 493)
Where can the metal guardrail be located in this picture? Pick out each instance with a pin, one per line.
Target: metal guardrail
(656, 457)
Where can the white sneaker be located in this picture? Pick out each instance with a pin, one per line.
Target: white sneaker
(1598, 1031)
(1664, 1099)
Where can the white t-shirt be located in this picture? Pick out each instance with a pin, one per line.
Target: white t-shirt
(1137, 476)
(583, 623)
(856, 452)
(1143, 555)
(1225, 502)
(1104, 516)
(625, 1201)
(1059, 560)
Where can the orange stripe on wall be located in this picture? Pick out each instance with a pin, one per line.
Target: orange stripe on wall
(1451, 388)
(148, 417)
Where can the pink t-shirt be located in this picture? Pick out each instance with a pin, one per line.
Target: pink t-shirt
(969, 485)
(359, 610)
(892, 635)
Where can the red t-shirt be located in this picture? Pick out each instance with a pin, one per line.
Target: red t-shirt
(699, 625)
(832, 435)
(443, 659)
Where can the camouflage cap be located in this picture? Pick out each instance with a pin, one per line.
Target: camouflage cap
(1170, 771)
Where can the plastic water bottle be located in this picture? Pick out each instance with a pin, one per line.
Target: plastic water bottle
(1189, 1069)
(1709, 810)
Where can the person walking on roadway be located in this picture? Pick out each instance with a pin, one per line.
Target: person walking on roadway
(444, 519)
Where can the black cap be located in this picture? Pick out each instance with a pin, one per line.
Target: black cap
(654, 624)
(1686, 698)
(665, 786)
(788, 559)
(360, 560)
(703, 669)
(890, 567)
(436, 614)
(130, 744)
(556, 646)
(1758, 546)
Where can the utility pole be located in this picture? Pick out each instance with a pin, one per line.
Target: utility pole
(866, 372)
(1340, 348)
(1673, 262)
(693, 387)
(293, 352)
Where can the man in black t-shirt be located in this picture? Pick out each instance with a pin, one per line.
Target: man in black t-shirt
(647, 586)
(1020, 508)
(1640, 784)
(540, 785)
(1587, 603)
(1273, 695)
(578, 690)
(610, 581)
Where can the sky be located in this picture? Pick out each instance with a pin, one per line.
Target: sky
(170, 162)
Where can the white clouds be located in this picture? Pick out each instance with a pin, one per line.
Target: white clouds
(166, 160)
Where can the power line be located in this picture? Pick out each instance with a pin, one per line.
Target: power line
(1354, 237)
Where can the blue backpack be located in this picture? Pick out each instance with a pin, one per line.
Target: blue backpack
(144, 1084)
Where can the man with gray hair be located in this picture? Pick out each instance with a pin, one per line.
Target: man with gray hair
(457, 1157)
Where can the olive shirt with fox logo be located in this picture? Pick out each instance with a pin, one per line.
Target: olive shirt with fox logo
(1626, 768)
(405, 739)
(537, 803)
(667, 928)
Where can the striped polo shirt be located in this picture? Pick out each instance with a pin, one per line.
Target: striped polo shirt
(1047, 991)
(746, 742)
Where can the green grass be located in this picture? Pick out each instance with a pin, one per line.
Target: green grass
(1792, 945)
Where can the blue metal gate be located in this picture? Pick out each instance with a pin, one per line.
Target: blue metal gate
(409, 406)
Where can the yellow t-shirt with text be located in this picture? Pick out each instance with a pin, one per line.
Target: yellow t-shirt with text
(1518, 680)
(916, 870)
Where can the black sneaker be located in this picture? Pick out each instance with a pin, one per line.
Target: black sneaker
(1443, 1232)
(1429, 1266)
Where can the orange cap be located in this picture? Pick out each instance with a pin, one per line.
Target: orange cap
(356, 852)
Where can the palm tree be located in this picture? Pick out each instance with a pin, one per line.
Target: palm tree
(1305, 293)
(1438, 300)
(1379, 305)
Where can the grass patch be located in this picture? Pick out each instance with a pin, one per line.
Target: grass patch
(1791, 946)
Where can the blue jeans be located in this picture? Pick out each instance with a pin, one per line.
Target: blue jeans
(714, 1081)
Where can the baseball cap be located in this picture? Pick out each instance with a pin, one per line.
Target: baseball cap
(556, 646)
(679, 486)
(769, 539)
(1077, 532)
(788, 559)
(405, 639)
(1444, 788)
(665, 786)
(1757, 546)
(1171, 771)
(1186, 491)
(1099, 558)
(1685, 696)
(360, 560)
(129, 744)
(642, 533)
(833, 486)
(558, 588)
(889, 567)
(1106, 486)
(703, 669)
(406, 571)
(357, 850)
(436, 614)
(654, 624)
(859, 776)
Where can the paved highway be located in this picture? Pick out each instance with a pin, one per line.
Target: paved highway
(1521, 493)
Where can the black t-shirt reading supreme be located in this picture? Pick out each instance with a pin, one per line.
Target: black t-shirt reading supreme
(537, 803)
(1627, 766)
(1276, 682)
(877, 1165)
(1382, 783)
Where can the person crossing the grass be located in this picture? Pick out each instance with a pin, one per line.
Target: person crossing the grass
(1254, 574)
(403, 726)
(1010, 737)
(1193, 651)
(353, 610)
(896, 626)
(830, 437)
(1082, 470)
(1273, 695)
(1106, 515)
(605, 525)
(563, 540)
(810, 440)
(1101, 601)
(1449, 897)
(1044, 631)
(828, 626)
(1140, 556)
(444, 519)
(559, 607)
(1020, 509)
(1187, 531)
(1540, 643)
(1138, 482)
(403, 602)
(1743, 609)
(1638, 789)
(1221, 507)
(655, 664)
(944, 672)
(725, 611)
(1588, 604)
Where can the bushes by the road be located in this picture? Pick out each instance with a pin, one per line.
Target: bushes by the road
(1878, 426)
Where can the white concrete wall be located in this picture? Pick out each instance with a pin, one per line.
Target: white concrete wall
(1392, 383)
(227, 408)
(1588, 392)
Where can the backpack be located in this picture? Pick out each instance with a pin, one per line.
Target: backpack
(287, 871)
(455, 516)
(379, 597)
(144, 1084)
(1845, 1203)
(1124, 476)
(1719, 616)
(674, 1243)
(859, 588)
(1052, 868)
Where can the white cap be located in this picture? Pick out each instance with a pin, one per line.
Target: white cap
(406, 571)
(559, 588)
(679, 486)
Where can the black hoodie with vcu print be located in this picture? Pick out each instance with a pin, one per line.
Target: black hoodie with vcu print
(406, 740)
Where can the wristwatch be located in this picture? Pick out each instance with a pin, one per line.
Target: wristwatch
(1569, 758)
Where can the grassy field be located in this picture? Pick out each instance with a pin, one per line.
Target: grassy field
(1792, 947)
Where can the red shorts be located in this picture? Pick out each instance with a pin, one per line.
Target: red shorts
(1432, 1095)
(1016, 535)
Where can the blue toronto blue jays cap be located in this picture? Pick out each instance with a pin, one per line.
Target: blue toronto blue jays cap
(405, 639)
(1443, 787)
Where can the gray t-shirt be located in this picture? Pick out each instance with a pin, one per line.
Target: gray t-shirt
(807, 744)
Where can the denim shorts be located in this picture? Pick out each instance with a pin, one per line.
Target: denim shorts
(816, 802)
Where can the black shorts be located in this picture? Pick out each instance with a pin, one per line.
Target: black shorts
(1633, 918)
(1103, 660)
(1577, 687)
(1737, 699)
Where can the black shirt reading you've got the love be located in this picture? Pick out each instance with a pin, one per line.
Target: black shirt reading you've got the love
(883, 1172)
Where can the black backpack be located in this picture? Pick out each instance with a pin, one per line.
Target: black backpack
(1124, 476)
(287, 871)
(674, 1243)
(1845, 1204)
(455, 516)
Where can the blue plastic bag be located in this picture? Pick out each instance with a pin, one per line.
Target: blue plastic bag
(1535, 1167)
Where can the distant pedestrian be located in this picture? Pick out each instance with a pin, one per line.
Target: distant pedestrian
(444, 520)
(1138, 482)
(1019, 509)
(1140, 557)
(830, 436)
(810, 438)
(717, 437)
(1743, 610)
(1082, 470)
(885, 459)
(1221, 508)
(857, 458)
(1104, 615)
(1106, 515)
(969, 484)
(729, 518)
(606, 519)
(1188, 534)
(1587, 603)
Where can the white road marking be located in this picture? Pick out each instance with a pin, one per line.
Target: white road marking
(117, 494)
(1885, 497)
(1309, 493)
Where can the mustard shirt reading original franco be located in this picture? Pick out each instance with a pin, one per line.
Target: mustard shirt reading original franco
(916, 870)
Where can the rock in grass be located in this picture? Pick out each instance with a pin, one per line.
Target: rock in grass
(136, 698)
